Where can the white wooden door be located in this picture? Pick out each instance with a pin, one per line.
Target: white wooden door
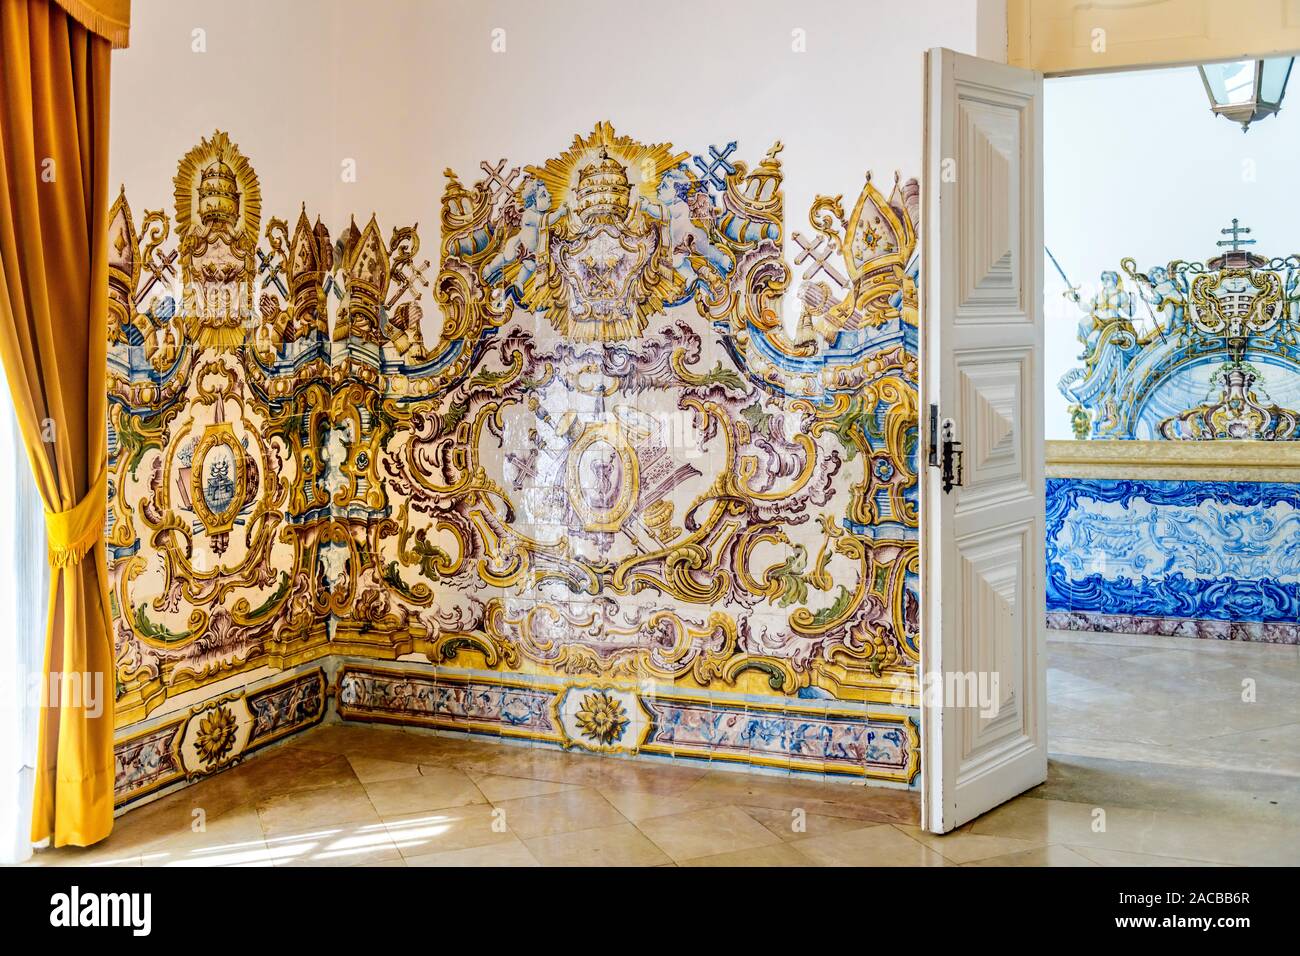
(984, 727)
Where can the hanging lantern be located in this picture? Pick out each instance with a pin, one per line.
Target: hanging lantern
(1246, 90)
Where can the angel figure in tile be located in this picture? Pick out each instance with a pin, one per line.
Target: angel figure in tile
(525, 249)
(1110, 306)
(1291, 298)
(688, 216)
(1167, 296)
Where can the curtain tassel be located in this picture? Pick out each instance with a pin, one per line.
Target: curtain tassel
(72, 533)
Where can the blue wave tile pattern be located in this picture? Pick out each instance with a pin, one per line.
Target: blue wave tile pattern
(1198, 550)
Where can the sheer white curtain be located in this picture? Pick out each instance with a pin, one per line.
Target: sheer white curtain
(24, 587)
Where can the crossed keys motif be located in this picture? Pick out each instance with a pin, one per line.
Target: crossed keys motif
(406, 275)
(267, 264)
(717, 160)
(819, 253)
(161, 266)
(498, 181)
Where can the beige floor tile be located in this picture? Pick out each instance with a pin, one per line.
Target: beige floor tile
(213, 796)
(511, 853)
(800, 825)
(831, 798)
(344, 845)
(484, 763)
(321, 808)
(535, 763)
(1208, 719)
(880, 845)
(285, 770)
(620, 845)
(1104, 857)
(227, 839)
(176, 814)
(1251, 754)
(443, 751)
(563, 812)
(707, 832)
(762, 790)
(1069, 650)
(497, 788)
(1184, 836)
(100, 855)
(1068, 638)
(1211, 754)
(1097, 721)
(779, 854)
(1219, 841)
(120, 848)
(340, 737)
(1161, 786)
(1064, 745)
(1151, 730)
(963, 846)
(639, 805)
(378, 742)
(646, 776)
(453, 828)
(901, 811)
(1038, 856)
(432, 789)
(1269, 744)
(1181, 656)
(254, 853)
(373, 769)
(1059, 821)
(1226, 728)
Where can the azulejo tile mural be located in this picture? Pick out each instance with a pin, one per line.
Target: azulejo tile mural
(215, 734)
(1191, 352)
(640, 486)
(1206, 554)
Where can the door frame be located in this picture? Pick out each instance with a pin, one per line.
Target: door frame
(931, 759)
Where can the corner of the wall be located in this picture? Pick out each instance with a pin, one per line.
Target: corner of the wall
(1019, 27)
(992, 36)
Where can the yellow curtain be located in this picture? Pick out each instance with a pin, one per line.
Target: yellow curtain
(111, 19)
(53, 341)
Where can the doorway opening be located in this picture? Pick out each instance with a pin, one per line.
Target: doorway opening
(1172, 424)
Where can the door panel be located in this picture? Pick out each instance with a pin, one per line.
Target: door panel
(983, 723)
(988, 149)
(992, 407)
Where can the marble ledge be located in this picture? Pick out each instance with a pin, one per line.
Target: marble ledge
(1255, 461)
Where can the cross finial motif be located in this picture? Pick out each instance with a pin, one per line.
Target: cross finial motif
(1236, 241)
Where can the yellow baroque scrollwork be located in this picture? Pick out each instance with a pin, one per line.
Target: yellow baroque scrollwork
(615, 458)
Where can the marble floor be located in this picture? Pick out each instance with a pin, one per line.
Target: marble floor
(1156, 760)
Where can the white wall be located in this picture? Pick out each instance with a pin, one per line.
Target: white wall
(684, 71)
(1137, 165)
(407, 88)
(266, 77)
